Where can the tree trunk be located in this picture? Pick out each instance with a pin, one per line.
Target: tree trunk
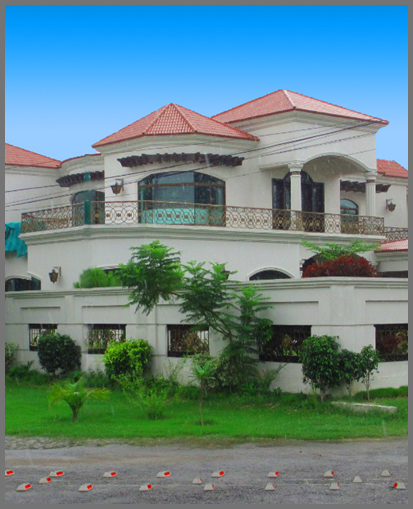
(75, 413)
(201, 418)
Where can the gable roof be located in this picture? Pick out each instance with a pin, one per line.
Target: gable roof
(282, 101)
(394, 245)
(16, 156)
(391, 169)
(172, 120)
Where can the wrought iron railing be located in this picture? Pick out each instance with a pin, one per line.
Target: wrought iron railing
(174, 213)
(393, 233)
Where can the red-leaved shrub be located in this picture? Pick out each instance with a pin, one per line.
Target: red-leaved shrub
(344, 266)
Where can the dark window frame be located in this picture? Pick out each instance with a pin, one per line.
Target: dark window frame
(259, 276)
(392, 342)
(36, 330)
(276, 351)
(177, 336)
(12, 284)
(97, 340)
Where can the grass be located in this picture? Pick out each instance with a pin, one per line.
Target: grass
(284, 416)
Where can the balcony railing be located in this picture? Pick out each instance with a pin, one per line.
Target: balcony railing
(393, 233)
(173, 213)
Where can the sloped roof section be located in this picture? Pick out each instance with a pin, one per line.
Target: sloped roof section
(391, 169)
(282, 101)
(16, 156)
(394, 245)
(174, 120)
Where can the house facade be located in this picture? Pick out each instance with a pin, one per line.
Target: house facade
(245, 188)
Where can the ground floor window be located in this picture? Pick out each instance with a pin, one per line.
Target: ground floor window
(286, 343)
(392, 342)
(183, 341)
(36, 330)
(100, 335)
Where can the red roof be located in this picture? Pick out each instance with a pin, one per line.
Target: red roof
(394, 245)
(16, 156)
(391, 169)
(284, 100)
(171, 120)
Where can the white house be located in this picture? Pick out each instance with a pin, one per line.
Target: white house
(245, 187)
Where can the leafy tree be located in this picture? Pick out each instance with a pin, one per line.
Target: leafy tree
(331, 251)
(369, 363)
(58, 352)
(350, 367)
(204, 373)
(75, 395)
(321, 363)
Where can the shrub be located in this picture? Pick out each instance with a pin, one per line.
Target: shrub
(344, 266)
(152, 400)
(350, 367)
(92, 378)
(321, 363)
(10, 355)
(58, 352)
(129, 358)
(96, 278)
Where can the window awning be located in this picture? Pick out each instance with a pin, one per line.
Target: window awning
(13, 243)
(360, 187)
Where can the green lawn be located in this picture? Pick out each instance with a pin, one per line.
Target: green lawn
(284, 417)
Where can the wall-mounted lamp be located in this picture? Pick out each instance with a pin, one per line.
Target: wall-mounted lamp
(54, 275)
(117, 187)
(390, 205)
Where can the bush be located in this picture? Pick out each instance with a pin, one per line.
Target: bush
(321, 363)
(350, 367)
(58, 352)
(129, 358)
(97, 379)
(96, 278)
(344, 266)
(10, 355)
(152, 400)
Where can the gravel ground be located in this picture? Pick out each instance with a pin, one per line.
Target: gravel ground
(301, 466)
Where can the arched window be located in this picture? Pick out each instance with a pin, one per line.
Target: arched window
(269, 274)
(182, 198)
(19, 284)
(349, 207)
(312, 193)
(93, 212)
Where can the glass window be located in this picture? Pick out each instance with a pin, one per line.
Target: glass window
(22, 284)
(269, 274)
(349, 207)
(36, 330)
(286, 343)
(183, 341)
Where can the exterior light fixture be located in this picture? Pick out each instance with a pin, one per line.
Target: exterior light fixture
(390, 205)
(54, 274)
(117, 187)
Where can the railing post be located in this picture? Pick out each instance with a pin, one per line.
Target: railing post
(88, 211)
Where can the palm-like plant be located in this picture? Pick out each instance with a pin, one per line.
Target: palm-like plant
(75, 395)
(203, 373)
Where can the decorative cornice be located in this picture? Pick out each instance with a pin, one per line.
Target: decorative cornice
(78, 178)
(212, 159)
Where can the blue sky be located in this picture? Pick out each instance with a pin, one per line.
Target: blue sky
(75, 74)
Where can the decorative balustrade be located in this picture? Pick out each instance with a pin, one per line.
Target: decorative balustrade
(393, 233)
(173, 213)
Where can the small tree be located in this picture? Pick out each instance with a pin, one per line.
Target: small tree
(350, 367)
(75, 395)
(331, 251)
(369, 363)
(58, 352)
(321, 363)
(203, 372)
(129, 358)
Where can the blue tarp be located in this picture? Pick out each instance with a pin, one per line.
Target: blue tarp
(13, 243)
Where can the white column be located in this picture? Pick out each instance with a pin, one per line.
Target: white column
(295, 174)
(371, 193)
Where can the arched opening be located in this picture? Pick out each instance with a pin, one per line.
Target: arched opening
(312, 193)
(268, 275)
(93, 209)
(349, 219)
(182, 198)
(20, 284)
(349, 207)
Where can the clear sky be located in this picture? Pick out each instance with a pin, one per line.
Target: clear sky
(75, 74)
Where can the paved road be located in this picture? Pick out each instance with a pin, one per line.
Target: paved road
(246, 467)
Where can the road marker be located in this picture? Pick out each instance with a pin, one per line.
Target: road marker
(399, 486)
(167, 473)
(45, 480)
(329, 473)
(24, 487)
(270, 487)
(110, 474)
(385, 473)
(145, 487)
(58, 473)
(335, 486)
(218, 473)
(86, 487)
(9, 473)
(209, 487)
(357, 479)
(198, 481)
(273, 474)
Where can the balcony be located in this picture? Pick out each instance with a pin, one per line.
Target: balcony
(214, 216)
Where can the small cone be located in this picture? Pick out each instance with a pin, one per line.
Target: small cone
(357, 479)
(167, 473)
(329, 473)
(58, 473)
(9, 473)
(399, 486)
(273, 474)
(218, 473)
(209, 487)
(110, 474)
(334, 486)
(86, 487)
(45, 480)
(198, 481)
(270, 487)
(145, 487)
(385, 473)
(24, 487)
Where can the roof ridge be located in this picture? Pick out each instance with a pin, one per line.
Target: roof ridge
(287, 94)
(31, 152)
(248, 102)
(337, 106)
(159, 111)
(178, 107)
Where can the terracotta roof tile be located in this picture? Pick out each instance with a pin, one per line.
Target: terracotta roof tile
(16, 156)
(391, 169)
(394, 245)
(172, 120)
(284, 100)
